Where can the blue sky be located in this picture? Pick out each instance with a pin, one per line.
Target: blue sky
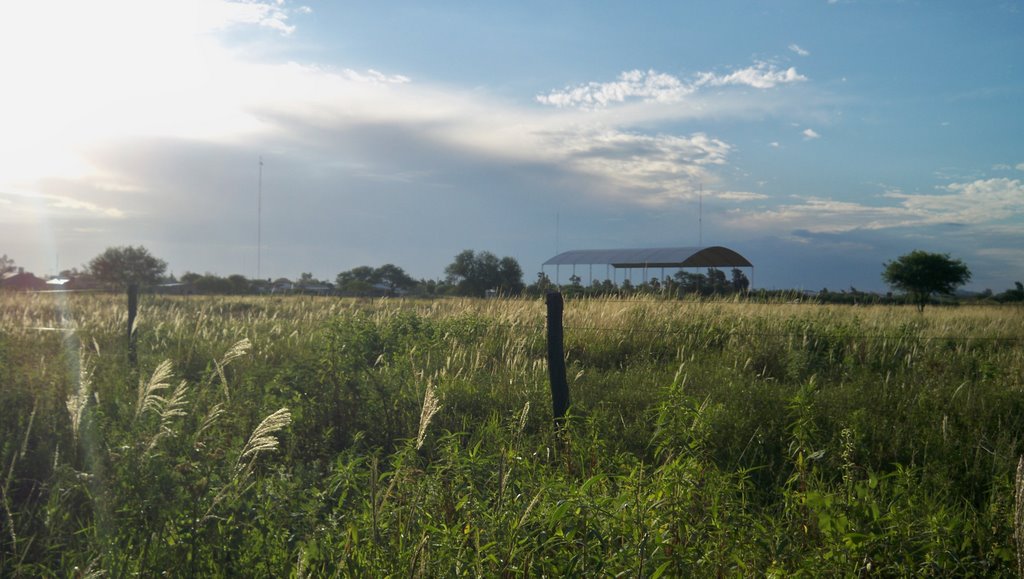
(827, 136)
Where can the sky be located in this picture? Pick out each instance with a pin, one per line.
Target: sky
(818, 138)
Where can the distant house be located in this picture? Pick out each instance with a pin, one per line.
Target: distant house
(21, 281)
(57, 283)
(282, 285)
(316, 289)
(176, 288)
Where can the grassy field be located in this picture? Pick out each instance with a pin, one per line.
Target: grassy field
(313, 437)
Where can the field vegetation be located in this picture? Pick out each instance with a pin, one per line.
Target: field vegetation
(300, 436)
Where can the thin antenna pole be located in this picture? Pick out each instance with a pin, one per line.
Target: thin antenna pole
(259, 225)
(557, 223)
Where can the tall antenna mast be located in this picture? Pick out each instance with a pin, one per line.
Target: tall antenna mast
(700, 217)
(259, 225)
(557, 220)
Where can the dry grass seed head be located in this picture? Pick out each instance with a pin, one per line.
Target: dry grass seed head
(263, 438)
(430, 407)
(76, 402)
(148, 397)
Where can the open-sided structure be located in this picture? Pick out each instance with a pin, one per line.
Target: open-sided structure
(664, 257)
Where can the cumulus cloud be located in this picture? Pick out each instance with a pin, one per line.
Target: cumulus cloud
(979, 201)
(647, 169)
(653, 86)
(760, 75)
(982, 202)
(1020, 166)
(171, 135)
(810, 134)
(800, 51)
(635, 84)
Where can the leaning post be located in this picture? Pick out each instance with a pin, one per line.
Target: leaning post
(556, 360)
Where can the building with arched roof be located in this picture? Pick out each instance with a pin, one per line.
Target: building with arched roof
(663, 257)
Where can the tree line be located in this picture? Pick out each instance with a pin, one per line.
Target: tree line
(919, 276)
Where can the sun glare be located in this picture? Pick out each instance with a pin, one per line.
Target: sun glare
(102, 71)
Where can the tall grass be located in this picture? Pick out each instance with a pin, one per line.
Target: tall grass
(313, 437)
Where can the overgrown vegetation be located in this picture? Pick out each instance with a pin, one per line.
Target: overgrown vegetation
(324, 437)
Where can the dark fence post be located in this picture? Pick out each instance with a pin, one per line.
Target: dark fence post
(556, 360)
(133, 308)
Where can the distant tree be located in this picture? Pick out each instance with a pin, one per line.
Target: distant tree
(691, 282)
(541, 286)
(362, 279)
(473, 273)
(124, 266)
(740, 283)
(718, 284)
(920, 274)
(393, 277)
(6, 264)
(1013, 295)
(239, 283)
(364, 274)
(510, 276)
(212, 284)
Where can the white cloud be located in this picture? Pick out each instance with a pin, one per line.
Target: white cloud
(650, 85)
(740, 196)
(172, 126)
(653, 86)
(810, 134)
(980, 201)
(221, 14)
(760, 75)
(641, 168)
(34, 207)
(1020, 166)
(800, 51)
(774, 144)
(983, 202)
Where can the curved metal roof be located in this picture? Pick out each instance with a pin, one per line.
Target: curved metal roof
(716, 256)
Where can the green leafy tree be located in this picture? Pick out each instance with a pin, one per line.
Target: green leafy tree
(689, 283)
(473, 273)
(740, 283)
(363, 274)
(1013, 295)
(717, 282)
(239, 283)
(124, 266)
(361, 279)
(394, 277)
(510, 276)
(920, 274)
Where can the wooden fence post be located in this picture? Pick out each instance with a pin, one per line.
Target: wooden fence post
(556, 360)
